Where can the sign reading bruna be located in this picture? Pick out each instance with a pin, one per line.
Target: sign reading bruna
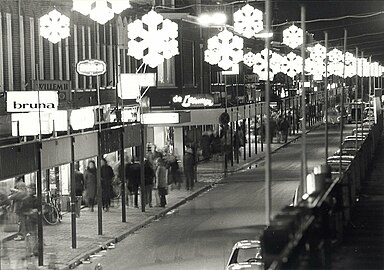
(32, 101)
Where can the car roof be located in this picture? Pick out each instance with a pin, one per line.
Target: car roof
(246, 265)
(247, 244)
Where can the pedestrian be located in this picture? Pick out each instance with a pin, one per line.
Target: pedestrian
(205, 145)
(172, 166)
(106, 184)
(29, 210)
(18, 194)
(132, 176)
(79, 183)
(285, 127)
(161, 180)
(149, 175)
(90, 185)
(189, 168)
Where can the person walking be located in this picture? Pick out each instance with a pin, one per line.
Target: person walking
(149, 174)
(189, 168)
(284, 126)
(90, 184)
(79, 183)
(132, 176)
(161, 180)
(106, 184)
(18, 194)
(172, 166)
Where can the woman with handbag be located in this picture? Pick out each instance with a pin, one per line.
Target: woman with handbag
(161, 179)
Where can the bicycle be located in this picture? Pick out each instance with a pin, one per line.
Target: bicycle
(51, 209)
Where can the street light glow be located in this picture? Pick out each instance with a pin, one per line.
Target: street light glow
(213, 19)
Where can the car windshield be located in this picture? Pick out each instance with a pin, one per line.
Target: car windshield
(247, 255)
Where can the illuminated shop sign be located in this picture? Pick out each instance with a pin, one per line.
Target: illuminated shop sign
(32, 101)
(193, 101)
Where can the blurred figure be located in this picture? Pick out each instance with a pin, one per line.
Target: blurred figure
(189, 168)
(161, 179)
(284, 127)
(149, 175)
(172, 166)
(29, 210)
(205, 144)
(106, 183)
(18, 194)
(132, 176)
(90, 184)
(79, 181)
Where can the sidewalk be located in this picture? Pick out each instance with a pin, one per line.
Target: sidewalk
(57, 239)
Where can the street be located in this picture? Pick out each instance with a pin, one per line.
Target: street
(201, 233)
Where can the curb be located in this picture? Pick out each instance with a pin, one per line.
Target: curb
(75, 262)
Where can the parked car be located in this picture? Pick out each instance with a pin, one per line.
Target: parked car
(246, 254)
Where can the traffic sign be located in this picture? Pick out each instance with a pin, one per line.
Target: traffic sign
(91, 67)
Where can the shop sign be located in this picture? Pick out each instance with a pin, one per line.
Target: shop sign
(51, 85)
(130, 84)
(32, 101)
(91, 67)
(193, 101)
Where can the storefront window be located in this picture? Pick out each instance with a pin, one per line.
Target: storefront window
(166, 73)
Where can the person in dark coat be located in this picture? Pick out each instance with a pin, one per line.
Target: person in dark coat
(18, 194)
(79, 183)
(132, 176)
(284, 126)
(189, 168)
(106, 183)
(90, 184)
(172, 166)
(149, 175)
(161, 180)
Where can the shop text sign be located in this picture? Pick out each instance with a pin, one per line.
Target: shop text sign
(91, 67)
(51, 85)
(193, 101)
(32, 101)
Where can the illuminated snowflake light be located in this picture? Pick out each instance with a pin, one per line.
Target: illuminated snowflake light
(249, 59)
(152, 39)
(335, 56)
(248, 21)
(350, 65)
(317, 52)
(100, 11)
(54, 26)
(293, 36)
(260, 66)
(225, 50)
(315, 68)
(292, 64)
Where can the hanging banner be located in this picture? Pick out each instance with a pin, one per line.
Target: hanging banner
(32, 101)
(130, 84)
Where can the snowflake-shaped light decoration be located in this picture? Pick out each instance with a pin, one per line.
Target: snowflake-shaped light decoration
(293, 36)
(315, 68)
(249, 59)
(365, 67)
(261, 63)
(350, 65)
(292, 64)
(317, 52)
(225, 50)
(54, 26)
(335, 55)
(100, 11)
(335, 62)
(152, 39)
(248, 21)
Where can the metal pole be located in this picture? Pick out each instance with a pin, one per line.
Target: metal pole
(326, 97)
(263, 129)
(99, 156)
(73, 194)
(249, 133)
(268, 199)
(356, 92)
(244, 136)
(303, 106)
(362, 92)
(255, 127)
(142, 171)
(342, 104)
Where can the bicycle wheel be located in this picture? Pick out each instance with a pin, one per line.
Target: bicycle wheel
(50, 214)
